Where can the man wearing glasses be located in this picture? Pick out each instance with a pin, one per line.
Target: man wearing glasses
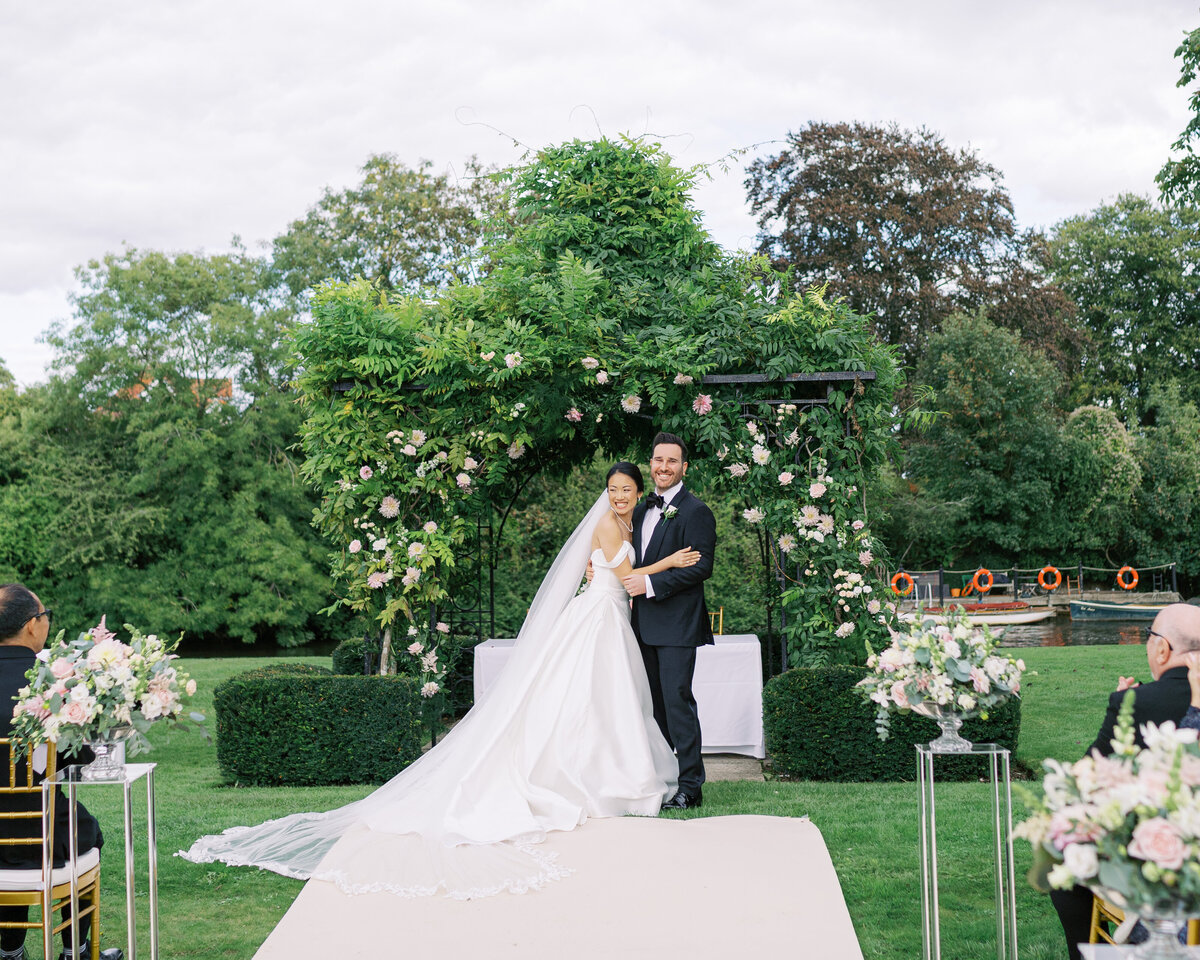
(1174, 633)
(24, 627)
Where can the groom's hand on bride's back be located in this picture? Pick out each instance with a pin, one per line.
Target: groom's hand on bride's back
(589, 572)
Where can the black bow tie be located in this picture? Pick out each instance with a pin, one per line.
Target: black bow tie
(655, 500)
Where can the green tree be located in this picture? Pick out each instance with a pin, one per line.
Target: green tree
(399, 228)
(164, 450)
(1100, 475)
(985, 472)
(908, 230)
(1179, 179)
(1133, 268)
(1166, 516)
(604, 308)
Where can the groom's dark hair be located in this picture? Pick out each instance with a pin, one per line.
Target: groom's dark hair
(661, 437)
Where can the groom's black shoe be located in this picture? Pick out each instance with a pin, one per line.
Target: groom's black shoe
(684, 801)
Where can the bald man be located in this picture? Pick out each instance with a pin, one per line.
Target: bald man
(1174, 633)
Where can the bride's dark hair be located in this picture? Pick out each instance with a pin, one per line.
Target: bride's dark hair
(632, 471)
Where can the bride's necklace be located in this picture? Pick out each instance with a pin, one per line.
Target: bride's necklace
(628, 527)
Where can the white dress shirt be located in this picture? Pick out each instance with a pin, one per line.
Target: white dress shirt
(650, 521)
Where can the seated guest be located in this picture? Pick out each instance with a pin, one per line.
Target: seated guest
(24, 627)
(1174, 634)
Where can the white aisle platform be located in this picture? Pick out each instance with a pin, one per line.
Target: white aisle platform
(717, 887)
(727, 685)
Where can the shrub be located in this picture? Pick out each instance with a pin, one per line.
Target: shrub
(294, 725)
(819, 727)
(348, 657)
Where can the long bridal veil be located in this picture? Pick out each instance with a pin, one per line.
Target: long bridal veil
(462, 818)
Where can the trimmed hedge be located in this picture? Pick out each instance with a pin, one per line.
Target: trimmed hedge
(819, 727)
(295, 725)
(348, 657)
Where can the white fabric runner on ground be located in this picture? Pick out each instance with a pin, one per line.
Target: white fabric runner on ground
(716, 887)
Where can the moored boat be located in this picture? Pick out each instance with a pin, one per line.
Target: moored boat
(1110, 610)
(992, 613)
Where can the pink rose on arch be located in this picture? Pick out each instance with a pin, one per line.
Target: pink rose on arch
(355, 546)
(816, 490)
(702, 404)
(365, 473)
(1156, 840)
(857, 525)
(574, 415)
(463, 481)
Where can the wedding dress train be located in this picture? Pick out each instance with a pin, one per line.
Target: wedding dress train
(566, 733)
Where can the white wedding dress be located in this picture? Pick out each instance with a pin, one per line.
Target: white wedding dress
(566, 733)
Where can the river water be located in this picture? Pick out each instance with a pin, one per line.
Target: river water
(1062, 631)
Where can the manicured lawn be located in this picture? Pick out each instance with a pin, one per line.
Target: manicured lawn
(214, 911)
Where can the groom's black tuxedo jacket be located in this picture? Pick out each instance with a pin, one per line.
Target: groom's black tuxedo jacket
(676, 615)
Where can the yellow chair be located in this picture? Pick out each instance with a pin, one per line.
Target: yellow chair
(28, 887)
(1105, 913)
(716, 620)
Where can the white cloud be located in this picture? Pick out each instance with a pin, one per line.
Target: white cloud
(177, 125)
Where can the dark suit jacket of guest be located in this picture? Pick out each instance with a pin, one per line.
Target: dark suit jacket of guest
(1164, 699)
(676, 616)
(15, 661)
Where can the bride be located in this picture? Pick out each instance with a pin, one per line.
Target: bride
(567, 732)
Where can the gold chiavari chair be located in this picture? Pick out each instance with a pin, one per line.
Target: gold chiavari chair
(1106, 915)
(716, 620)
(23, 804)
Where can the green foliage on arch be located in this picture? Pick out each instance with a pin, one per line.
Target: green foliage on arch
(604, 306)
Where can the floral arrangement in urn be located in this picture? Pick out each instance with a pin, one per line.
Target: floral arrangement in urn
(946, 668)
(1126, 825)
(97, 688)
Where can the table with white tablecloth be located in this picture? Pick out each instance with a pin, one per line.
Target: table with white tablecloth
(727, 685)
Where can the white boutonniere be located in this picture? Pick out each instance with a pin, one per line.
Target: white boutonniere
(670, 512)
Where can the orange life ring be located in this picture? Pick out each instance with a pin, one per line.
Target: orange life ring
(1044, 575)
(903, 576)
(982, 572)
(1121, 578)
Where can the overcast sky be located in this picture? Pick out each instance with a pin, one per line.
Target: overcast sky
(176, 125)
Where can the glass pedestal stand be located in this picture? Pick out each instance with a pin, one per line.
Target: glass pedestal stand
(1002, 849)
(72, 778)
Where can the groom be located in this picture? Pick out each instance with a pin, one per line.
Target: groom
(669, 616)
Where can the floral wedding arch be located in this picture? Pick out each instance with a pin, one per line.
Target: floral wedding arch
(604, 313)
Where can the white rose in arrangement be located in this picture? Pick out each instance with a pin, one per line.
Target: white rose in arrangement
(79, 691)
(936, 662)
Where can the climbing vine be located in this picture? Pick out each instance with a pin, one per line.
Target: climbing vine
(604, 309)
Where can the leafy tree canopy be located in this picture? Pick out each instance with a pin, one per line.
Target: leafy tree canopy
(163, 457)
(1179, 179)
(985, 470)
(1133, 267)
(399, 228)
(907, 229)
(604, 308)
